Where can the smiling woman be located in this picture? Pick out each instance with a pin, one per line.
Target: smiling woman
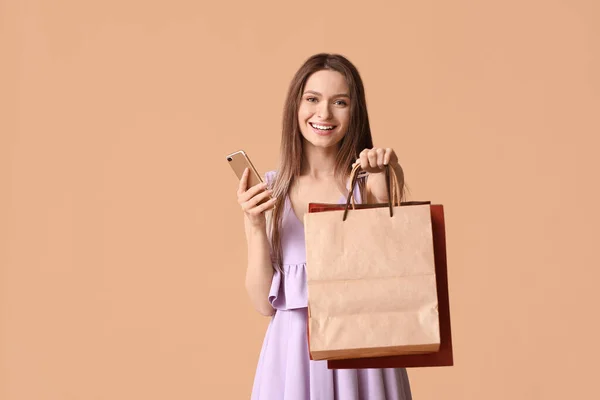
(325, 130)
(325, 114)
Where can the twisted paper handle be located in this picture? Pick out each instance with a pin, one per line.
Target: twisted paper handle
(393, 189)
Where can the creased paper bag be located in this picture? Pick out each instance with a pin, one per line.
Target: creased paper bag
(371, 282)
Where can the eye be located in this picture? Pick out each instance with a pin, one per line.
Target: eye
(341, 103)
(311, 99)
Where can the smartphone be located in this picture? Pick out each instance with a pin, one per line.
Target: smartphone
(239, 161)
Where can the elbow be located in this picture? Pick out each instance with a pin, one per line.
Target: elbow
(264, 308)
(266, 311)
(260, 300)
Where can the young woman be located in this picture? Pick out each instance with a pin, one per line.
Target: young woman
(325, 132)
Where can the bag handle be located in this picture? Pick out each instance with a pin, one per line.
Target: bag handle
(393, 189)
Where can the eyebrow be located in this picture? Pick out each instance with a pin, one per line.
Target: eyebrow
(319, 94)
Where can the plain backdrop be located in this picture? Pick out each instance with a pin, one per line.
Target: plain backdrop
(122, 251)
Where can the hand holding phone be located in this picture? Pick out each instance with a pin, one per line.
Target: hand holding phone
(253, 194)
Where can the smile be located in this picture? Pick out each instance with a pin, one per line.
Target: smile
(322, 127)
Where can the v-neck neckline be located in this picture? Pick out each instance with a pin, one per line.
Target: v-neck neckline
(342, 200)
(295, 216)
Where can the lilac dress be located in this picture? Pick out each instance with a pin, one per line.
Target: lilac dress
(284, 370)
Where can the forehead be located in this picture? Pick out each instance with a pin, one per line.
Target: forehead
(327, 82)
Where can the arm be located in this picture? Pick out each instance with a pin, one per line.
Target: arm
(259, 272)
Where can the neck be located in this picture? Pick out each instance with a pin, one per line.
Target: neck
(318, 162)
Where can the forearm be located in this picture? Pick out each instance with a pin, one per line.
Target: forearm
(259, 273)
(378, 185)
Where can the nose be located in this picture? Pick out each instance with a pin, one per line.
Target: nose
(323, 112)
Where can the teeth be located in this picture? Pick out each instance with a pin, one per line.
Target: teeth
(322, 127)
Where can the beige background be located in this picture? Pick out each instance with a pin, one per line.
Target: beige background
(121, 244)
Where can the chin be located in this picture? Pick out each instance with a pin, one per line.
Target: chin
(323, 142)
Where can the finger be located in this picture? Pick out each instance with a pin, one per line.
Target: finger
(253, 191)
(243, 185)
(380, 157)
(267, 205)
(388, 156)
(372, 159)
(253, 202)
(364, 161)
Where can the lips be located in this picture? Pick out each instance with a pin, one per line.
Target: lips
(322, 129)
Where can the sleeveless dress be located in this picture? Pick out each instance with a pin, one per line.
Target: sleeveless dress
(285, 371)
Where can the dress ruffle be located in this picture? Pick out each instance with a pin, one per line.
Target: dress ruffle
(289, 290)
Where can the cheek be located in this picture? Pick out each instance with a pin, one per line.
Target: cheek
(343, 117)
(304, 113)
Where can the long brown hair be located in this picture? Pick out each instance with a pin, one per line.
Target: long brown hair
(354, 141)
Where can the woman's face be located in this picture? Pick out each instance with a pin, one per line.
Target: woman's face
(324, 112)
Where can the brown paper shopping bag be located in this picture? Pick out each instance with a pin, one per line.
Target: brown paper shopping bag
(444, 357)
(371, 280)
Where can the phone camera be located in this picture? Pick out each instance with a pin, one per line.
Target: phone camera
(229, 158)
